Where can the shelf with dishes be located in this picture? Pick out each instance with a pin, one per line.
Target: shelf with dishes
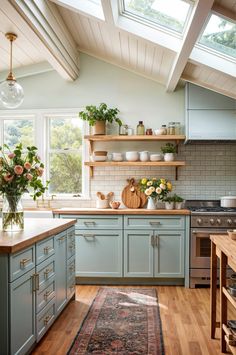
(99, 158)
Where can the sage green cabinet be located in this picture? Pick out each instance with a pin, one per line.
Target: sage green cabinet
(61, 271)
(99, 253)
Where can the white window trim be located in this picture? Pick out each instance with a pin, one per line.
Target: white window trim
(41, 134)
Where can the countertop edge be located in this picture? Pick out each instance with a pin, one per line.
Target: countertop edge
(24, 243)
(94, 211)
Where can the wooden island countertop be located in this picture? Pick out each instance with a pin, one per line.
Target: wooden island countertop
(35, 229)
(119, 211)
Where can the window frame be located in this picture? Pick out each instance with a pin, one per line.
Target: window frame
(41, 140)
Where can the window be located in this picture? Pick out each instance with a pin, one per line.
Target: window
(65, 155)
(59, 139)
(220, 35)
(171, 14)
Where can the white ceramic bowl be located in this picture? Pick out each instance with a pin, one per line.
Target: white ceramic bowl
(155, 157)
(117, 156)
(99, 158)
(132, 156)
(159, 131)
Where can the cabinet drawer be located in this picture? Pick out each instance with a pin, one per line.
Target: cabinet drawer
(71, 270)
(70, 244)
(44, 249)
(45, 319)
(44, 296)
(21, 262)
(96, 222)
(46, 271)
(70, 287)
(154, 222)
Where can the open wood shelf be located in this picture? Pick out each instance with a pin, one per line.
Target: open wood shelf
(231, 299)
(175, 164)
(110, 138)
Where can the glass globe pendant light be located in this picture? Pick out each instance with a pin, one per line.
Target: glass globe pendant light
(11, 93)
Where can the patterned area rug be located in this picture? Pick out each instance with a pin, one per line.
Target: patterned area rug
(121, 321)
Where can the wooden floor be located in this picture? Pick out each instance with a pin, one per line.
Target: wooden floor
(184, 315)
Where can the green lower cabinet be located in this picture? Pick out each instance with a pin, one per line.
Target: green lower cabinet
(154, 253)
(61, 271)
(22, 314)
(99, 253)
(138, 254)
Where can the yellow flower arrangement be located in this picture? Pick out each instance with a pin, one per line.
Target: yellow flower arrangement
(155, 187)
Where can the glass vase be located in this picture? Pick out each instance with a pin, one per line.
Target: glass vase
(12, 213)
(151, 205)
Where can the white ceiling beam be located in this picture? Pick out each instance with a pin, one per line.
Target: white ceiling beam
(43, 24)
(222, 11)
(195, 24)
(28, 70)
(83, 7)
(111, 11)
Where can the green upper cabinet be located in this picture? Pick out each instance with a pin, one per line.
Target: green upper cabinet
(198, 98)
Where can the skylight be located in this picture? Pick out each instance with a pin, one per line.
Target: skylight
(220, 35)
(171, 14)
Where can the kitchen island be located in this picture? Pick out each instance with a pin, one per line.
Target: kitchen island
(130, 246)
(37, 277)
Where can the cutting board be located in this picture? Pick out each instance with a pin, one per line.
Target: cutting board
(131, 196)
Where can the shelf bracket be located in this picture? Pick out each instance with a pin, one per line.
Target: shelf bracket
(177, 145)
(176, 173)
(91, 171)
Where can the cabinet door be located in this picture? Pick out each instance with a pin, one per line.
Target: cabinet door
(22, 314)
(169, 254)
(99, 253)
(60, 270)
(138, 253)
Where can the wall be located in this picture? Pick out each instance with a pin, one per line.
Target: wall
(210, 170)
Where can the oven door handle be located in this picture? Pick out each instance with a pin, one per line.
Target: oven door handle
(209, 231)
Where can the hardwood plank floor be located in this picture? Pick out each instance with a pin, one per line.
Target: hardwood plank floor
(185, 315)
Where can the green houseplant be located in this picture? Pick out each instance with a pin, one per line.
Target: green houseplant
(97, 116)
(178, 202)
(20, 172)
(169, 150)
(169, 202)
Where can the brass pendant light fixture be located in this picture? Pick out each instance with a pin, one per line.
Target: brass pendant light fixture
(11, 92)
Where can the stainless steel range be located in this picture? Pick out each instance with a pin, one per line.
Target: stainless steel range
(207, 217)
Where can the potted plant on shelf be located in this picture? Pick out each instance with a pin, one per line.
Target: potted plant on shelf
(178, 202)
(169, 151)
(169, 202)
(97, 116)
(155, 189)
(20, 172)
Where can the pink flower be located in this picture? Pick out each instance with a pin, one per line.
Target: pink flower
(27, 165)
(18, 169)
(40, 171)
(29, 176)
(8, 177)
(11, 155)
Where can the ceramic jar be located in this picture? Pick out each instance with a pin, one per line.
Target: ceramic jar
(169, 205)
(144, 156)
(169, 157)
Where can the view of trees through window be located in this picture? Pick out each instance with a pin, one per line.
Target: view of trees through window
(220, 35)
(65, 155)
(169, 13)
(18, 130)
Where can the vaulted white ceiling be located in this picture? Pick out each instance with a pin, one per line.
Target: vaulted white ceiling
(55, 31)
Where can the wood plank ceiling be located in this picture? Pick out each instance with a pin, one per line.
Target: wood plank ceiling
(111, 41)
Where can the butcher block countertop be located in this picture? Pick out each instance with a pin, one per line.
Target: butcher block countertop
(34, 231)
(119, 211)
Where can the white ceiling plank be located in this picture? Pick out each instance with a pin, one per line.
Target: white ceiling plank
(141, 55)
(209, 87)
(133, 51)
(196, 22)
(220, 10)
(150, 52)
(40, 24)
(124, 41)
(158, 57)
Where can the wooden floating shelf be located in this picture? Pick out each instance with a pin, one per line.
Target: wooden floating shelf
(175, 164)
(110, 138)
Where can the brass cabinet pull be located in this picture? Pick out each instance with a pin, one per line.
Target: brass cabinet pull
(37, 281)
(87, 223)
(47, 319)
(155, 223)
(157, 241)
(23, 262)
(47, 249)
(152, 241)
(48, 294)
(62, 238)
(33, 283)
(88, 235)
(47, 271)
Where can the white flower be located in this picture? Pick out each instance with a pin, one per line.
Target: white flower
(152, 188)
(149, 183)
(163, 186)
(148, 192)
(158, 190)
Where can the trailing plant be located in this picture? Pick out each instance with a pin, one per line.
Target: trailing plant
(100, 113)
(168, 148)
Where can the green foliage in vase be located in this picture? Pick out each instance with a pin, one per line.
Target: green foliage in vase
(100, 113)
(168, 148)
(21, 171)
